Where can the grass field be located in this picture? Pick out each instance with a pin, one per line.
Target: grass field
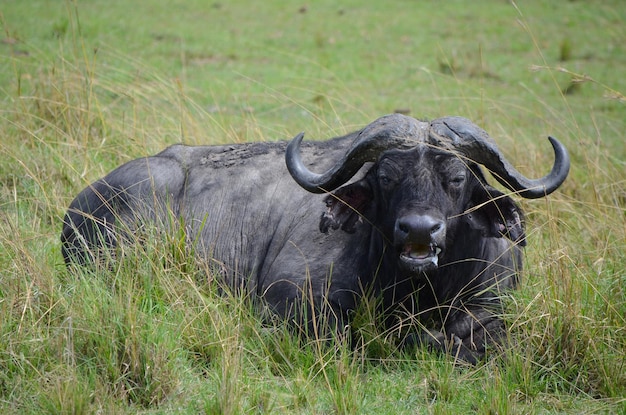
(88, 85)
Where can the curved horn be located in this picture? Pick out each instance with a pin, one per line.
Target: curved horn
(390, 131)
(474, 143)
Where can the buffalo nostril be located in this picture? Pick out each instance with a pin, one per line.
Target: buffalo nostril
(436, 228)
(404, 228)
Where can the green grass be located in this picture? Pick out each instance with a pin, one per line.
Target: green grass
(89, 85)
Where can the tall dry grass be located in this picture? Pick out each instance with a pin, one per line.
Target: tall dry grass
(153, 333)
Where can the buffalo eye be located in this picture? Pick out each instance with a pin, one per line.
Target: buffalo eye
(385, 181)
(388, 175)
(457, 181)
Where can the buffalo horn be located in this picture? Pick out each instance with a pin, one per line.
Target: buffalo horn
(474, 143)
(390, 131)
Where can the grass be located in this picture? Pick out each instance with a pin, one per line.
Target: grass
(87, 86)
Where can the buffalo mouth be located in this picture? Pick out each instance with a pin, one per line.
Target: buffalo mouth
(419, 258)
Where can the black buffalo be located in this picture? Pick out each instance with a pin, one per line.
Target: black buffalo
(401, 212)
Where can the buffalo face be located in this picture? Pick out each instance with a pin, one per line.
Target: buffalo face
(419, 190)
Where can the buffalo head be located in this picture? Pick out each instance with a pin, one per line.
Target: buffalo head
(425, 187)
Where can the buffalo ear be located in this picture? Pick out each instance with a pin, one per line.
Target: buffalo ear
(496, 215)
(345, 206)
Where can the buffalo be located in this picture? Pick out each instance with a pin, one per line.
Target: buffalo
(399, 212)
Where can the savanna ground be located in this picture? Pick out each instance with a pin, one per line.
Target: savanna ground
(87, 85)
